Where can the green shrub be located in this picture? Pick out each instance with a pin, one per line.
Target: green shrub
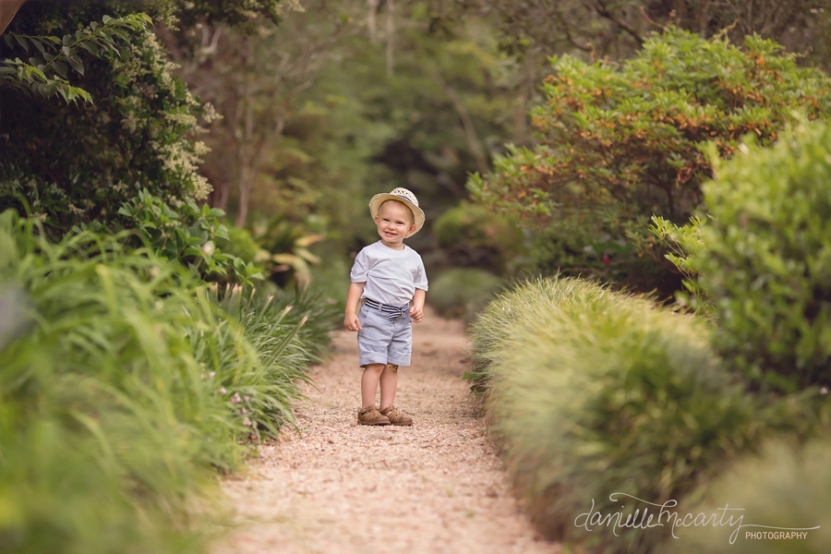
(79, 163)
(241, 244)
(125, 122)
(619, 143)
(593, 248)
(685, 244)
(767, 264)
(331, 278)
(289, 260)
(462, 292)
(785, 488)
(124, 385)
(472, 236)
(593, 392)
(188, 234)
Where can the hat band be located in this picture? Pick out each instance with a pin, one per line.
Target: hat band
(407, 199)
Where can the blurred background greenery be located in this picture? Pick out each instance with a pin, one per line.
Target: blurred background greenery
(215, 159)
(289, 115)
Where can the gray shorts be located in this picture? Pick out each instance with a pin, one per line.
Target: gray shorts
(384, 340)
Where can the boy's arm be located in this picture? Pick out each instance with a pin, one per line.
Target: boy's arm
(417, 309)
(350, 319)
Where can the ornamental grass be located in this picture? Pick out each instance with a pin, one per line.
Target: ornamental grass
(124, 387)
(593, 392)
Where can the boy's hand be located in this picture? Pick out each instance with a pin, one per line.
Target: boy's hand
(352, 322)
(417, 313)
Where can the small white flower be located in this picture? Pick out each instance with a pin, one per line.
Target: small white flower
(247, 422)
(223, 391)
(208, 248)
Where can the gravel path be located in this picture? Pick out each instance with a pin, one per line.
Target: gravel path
(342, 488)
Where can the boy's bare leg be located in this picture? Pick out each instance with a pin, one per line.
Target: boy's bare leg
(389, 383)
(369, 384)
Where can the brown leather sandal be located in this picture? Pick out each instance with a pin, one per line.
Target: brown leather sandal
(369, 415)
(396, 417)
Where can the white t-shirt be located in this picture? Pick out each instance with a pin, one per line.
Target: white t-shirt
(391, 276)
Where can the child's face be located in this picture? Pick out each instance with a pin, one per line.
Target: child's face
(395, 223)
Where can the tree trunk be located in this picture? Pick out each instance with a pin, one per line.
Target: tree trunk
(370, 22)
(247, 155)
(245, 179)
(390, 34)
(8, 9)
(220, 196)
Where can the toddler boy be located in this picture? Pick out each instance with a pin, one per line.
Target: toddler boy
(387, 293)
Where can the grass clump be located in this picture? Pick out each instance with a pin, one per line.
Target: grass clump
(124, 385)
(593, 392)
(786, 488)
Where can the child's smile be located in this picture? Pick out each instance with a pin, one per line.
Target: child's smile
(395, 223)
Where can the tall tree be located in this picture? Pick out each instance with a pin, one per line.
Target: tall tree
(254, 77)
(601, 28)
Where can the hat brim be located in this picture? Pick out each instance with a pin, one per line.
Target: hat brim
(376, 201)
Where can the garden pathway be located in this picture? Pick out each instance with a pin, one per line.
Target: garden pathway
(341, 488)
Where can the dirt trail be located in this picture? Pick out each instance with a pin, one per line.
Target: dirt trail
(342, 488)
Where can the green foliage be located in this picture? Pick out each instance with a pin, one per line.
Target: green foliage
(331, 278)
(286, 256)
(767, 264)
(241, 244)
(359, 130)
(74, 163)
(622, 143)
(685, 246)
(784, 488)
(594, 392)
(49, 58)
(633, 135)
(471, 236)
(591, 247)
(189, 234)
(462, 291)
(190, 14)
(124, 385)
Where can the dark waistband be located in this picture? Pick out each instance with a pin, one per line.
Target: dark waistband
(391, 311)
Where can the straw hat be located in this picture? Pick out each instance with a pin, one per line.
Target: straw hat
(405, 197)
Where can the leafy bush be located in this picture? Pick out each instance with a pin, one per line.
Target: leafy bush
(574, 247)
(124, 384)
(685, 245)
(593, 392)
(785, 488)
(462, 292)
(472, 236)
(126, 124)
(190, 235)
(289, 260)
(767, 264)
(74, 163)
(621, 143)
(241, 244)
